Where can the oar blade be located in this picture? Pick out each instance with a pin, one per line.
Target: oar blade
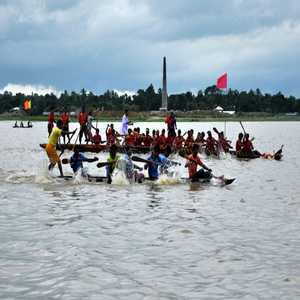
(228, 181)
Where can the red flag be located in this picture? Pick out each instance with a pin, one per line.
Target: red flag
(222, 82)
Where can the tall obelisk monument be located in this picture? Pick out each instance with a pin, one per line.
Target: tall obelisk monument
(164, 97)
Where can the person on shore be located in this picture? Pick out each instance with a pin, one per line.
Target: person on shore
(51, 121)
(65, 118)
(193, 161)
(125, 123)
(82, 119)
(51, 147)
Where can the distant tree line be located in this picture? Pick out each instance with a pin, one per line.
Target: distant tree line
(149, 99)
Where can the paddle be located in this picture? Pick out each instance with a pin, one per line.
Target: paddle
(243, 127)
(146, 161)
(104, 163)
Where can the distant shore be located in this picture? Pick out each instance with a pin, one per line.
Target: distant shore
(182, 117)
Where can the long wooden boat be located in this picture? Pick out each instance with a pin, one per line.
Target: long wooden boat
(99, 148)
(181, 180)
(142, 149)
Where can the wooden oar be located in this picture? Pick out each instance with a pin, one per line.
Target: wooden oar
(146, 161)
(104, 163)
(70, 138)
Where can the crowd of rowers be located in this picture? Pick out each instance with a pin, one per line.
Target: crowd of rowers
(170, 141)
(156, 163)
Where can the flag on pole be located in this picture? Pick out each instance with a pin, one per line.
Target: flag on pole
(222, 82)
(27, 104)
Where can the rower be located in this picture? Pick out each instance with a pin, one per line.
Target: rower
(210, 144)
(239, 143)
(21, 124)
(131, 168)
(112, 160)
(16, 124)
(193, 160)
(147, 141)
(178, 141)
(155, 160)
(248, 149)
(51, 147)
(76, 161)
(96, 139)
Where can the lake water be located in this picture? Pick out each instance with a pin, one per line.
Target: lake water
(76, 240)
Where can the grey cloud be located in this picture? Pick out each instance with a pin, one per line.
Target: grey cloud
(120, 43)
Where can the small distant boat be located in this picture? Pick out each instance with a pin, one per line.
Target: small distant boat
(29, 125)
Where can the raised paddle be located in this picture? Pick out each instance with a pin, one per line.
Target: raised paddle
(146, 161)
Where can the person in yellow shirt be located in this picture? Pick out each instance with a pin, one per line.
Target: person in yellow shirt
(51, 147)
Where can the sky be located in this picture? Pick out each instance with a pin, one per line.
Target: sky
(57, 45)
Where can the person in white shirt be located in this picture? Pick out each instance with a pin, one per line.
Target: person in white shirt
(125, 123)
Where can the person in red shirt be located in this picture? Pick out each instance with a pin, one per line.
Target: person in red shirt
(171, 123)
(178, 141)
(65, 117)
(193, 161)
(51, 122)
(248, 149)
(138, 137)
(82, 119)
(211, 145)
(239, 144)
(162, 140)
(189, 141)
(147, 139)
(96, 139)
(130, 138)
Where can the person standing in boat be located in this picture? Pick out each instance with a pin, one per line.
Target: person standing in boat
(51, 121)
(125, 123)
(82, 119)
(193, 161)
(65, 118)
(51, 147)
(171, 124)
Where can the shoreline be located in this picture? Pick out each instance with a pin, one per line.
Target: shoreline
(276, 118)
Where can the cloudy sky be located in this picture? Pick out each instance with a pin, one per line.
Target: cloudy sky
(55, 45)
